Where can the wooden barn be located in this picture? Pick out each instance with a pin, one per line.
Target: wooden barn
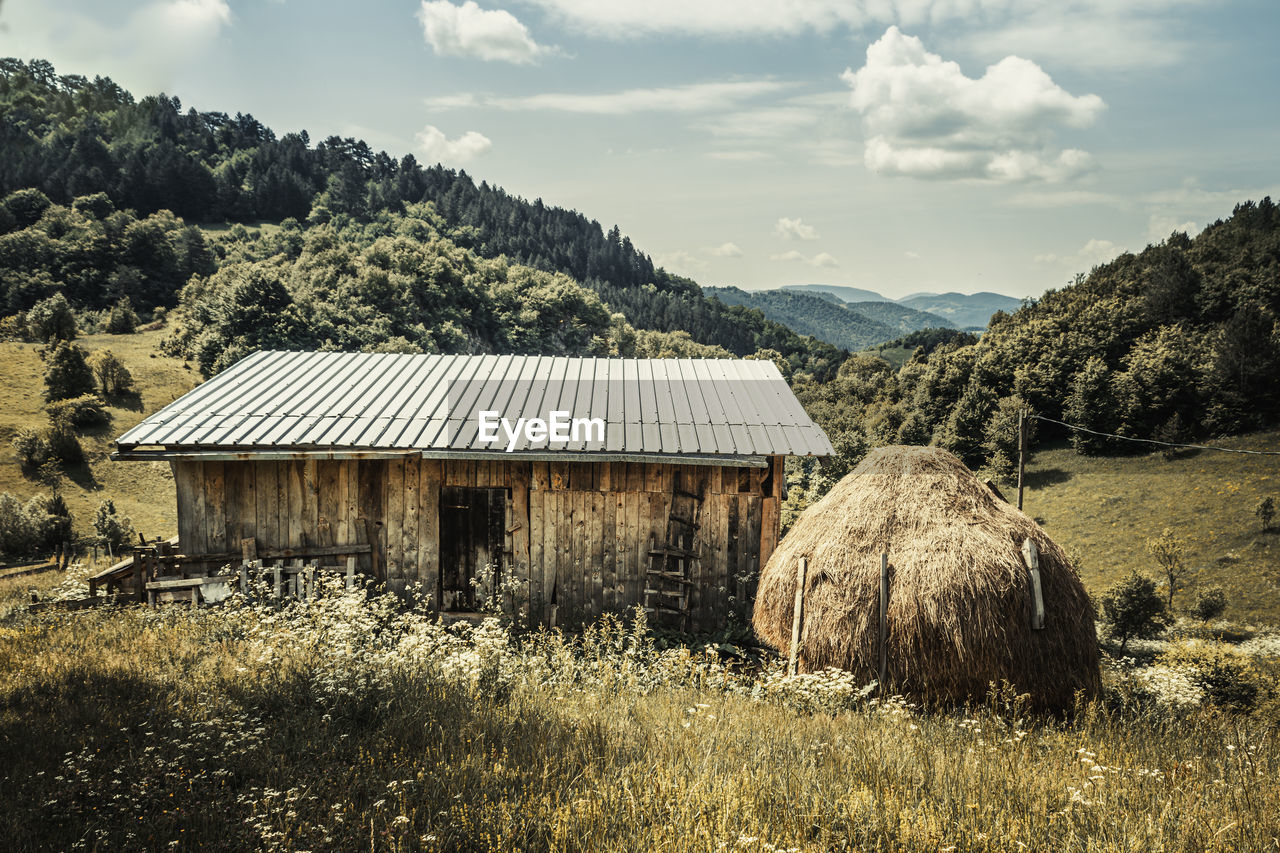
(561, 488)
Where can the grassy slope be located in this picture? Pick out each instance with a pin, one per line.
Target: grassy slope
(141, 490)
(1102, 510)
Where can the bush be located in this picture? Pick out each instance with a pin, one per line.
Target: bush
(33, 528)
(67, 374)
(83, 411)
(122, 320)
(112, 531)
(1227, 677)
(110, 373)
(1209, 604)
(1134, 609)
(32, 449)
(1266, 512)
(64, 446)
(51, 320)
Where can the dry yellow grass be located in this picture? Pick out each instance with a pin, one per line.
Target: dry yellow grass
(339, 727)
(1103, 510)
(141, 490)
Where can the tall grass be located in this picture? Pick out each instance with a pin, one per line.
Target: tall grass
(350, 725)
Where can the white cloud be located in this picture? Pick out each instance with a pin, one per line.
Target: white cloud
(1085, 33)
(924, 118)
(1160, 227)
(468, 30)
(1089, 255)
(680, 262)
(456, 101)
(693, 97)
(747, 156)
(438, 148)
(725, 250)
(145, 49)
(822, 259)
(794, 229)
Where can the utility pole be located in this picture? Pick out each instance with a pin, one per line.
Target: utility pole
(1022, 451)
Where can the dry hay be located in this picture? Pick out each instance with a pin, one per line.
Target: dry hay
(960, 605)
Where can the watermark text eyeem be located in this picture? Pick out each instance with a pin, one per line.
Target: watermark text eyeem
(559, 428)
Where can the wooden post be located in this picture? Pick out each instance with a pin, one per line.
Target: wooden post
(140, 579)
(279, 585)
(798, 615)
(351, 572)
(884, 620)
(1031, 556)
(1022, 451)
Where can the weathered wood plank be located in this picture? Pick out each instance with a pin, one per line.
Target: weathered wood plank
(517, 477)
(394, 520)
(190, 494)
(292, 525)
(431, 472)
(215, 507)
(327, 501)
(770, 522)
(538, 594)
(311, 501)
(412, 510)
(608, 550)
(267, 529)
(595, 568)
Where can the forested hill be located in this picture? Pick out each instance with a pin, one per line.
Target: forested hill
(1178, 342)
(70, 137)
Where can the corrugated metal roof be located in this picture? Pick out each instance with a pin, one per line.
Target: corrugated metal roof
(299, 401)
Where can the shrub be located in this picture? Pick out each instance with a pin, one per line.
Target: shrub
(1227, 677)
(83, 411)
(1209, 604)
(64, 446)
(1266, 512)
(32, 449)
(32, 528)
(122, 320)
(51, 320)
(1134, 609)
(110, 373)
(112, 531)
(67, 374)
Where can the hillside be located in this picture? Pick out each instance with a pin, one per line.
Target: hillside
(1103, 511)
(66, 137)
(141, 490)
(962, 310)
(842, 292)
(900, 317)
(822, 316)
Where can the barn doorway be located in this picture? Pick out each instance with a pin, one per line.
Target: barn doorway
(473, 525)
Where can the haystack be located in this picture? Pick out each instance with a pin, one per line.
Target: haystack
(961, 596)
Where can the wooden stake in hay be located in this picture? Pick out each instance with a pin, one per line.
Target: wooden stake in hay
(961, 604)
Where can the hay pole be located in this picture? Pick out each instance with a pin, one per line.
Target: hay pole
(1031, 556)
(884, 620)
(797, 615)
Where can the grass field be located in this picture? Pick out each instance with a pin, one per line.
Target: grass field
(1103, 510)
(141, 490)
(346, 725)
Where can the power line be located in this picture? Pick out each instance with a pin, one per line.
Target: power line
(1154, 441)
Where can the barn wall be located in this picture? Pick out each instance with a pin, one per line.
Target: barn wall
(578, 533)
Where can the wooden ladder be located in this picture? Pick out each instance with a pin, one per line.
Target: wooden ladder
(667, 593)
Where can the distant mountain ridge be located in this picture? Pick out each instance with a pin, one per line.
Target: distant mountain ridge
(959, 310)
(828, 318)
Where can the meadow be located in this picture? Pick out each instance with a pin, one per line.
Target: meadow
(350, 724)
(1104, 509)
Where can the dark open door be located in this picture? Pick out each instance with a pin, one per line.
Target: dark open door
(472, 533)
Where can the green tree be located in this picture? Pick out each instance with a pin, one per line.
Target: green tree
(109, 372)
(965, 432)
(1167, 550)
(122, 320)
(1091, 404)
(66, 373)
(51, 320)
(111, 530)
(1134, 610)
(1001, 443)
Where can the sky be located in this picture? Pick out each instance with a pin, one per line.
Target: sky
(895, 145)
